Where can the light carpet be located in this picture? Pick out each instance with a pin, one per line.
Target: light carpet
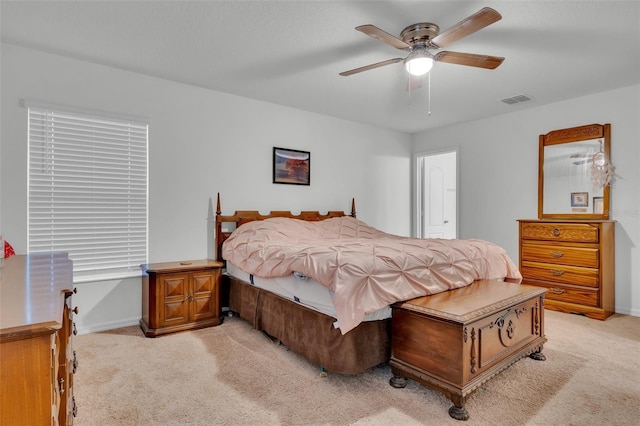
(233, 375)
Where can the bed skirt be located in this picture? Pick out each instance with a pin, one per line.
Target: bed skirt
(311, 333)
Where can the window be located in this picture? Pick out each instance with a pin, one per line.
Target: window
(87, 190)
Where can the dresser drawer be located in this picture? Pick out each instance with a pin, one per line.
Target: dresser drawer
(564, 255)
(560, 273)
(567, 293)
(572, 232)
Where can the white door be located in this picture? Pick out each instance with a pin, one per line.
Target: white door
(436, 195)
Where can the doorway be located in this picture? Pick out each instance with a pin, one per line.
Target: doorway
(436, 197)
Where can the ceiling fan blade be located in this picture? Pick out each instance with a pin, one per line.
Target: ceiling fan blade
(469, 59)
(484, 17)
(383, 36)
(370, 67)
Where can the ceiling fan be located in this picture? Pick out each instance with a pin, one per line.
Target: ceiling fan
(423, 38)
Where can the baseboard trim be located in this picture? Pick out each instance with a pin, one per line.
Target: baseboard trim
(626, 311)
(96, 328)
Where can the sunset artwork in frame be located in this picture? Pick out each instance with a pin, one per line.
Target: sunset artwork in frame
(291, 166)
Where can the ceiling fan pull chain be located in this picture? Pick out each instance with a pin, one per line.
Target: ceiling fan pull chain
(429, 94)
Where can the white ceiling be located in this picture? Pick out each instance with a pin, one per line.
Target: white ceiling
(290, 52)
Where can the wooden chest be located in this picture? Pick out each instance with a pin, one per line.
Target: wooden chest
(455, 341)
(574, 260)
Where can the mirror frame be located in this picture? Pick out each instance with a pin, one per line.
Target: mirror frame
(569, 135)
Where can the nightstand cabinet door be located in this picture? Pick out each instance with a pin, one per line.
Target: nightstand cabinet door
(180, 296)
(205, 291)
(174, 291)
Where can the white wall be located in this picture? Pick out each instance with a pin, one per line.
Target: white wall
(499, 170)
(201, 142)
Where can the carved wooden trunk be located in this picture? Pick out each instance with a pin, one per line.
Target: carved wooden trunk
(455, 341)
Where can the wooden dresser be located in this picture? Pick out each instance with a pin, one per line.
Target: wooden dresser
(180, 296)
(574, 260)
(37, 360)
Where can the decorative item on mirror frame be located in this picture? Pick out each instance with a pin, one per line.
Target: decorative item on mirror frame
(603, 173)
(598, 205)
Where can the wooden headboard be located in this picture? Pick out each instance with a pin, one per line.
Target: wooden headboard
(244, 216)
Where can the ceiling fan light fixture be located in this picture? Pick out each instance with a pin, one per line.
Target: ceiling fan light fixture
(419, 62)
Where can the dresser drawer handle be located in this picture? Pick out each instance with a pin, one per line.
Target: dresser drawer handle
(556, 290)
(556, 272)
(556, 232)
(556, 254)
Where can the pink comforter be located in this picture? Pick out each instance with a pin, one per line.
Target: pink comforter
(366, 269)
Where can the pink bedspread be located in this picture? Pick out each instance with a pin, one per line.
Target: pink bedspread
(365, 268)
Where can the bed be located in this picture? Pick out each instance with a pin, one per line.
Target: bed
(358, 335)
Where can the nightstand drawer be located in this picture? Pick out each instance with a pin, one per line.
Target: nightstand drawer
(560, 273)
(564, 255)
(574, 232)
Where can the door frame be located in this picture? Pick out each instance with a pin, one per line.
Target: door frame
(415, 211)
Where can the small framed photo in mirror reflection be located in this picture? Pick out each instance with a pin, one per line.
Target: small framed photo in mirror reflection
(598, 205)
(579, 199)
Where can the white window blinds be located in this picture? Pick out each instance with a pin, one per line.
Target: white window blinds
(88, 191)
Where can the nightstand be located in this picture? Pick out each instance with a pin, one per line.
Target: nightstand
(179, 296)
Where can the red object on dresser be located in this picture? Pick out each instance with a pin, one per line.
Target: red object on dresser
(8, 250)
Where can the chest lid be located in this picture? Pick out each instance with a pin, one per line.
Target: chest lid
(472, 302)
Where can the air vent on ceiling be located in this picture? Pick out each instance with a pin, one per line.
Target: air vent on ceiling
(517, 99)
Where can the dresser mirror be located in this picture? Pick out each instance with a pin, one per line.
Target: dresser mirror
(570, 173)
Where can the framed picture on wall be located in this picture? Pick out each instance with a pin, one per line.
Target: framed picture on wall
(579, 199)
(291, 166)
